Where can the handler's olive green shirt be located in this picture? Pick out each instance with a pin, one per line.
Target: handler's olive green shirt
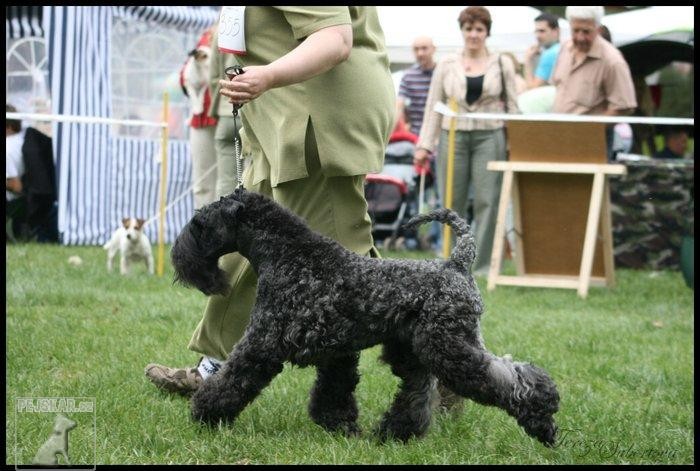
(351, 106)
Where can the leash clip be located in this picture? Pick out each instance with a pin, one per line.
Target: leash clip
(231, 72)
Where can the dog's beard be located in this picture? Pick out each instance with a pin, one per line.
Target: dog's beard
(207, 277)
(193, 268)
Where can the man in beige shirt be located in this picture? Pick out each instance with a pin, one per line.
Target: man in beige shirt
(591, 75)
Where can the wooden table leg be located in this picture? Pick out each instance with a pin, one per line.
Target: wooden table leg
(500, 231)
(591, 233)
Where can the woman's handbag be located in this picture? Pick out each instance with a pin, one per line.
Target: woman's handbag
(504, 98)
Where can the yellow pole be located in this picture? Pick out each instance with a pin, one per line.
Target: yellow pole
(163, 187)
(449, 177)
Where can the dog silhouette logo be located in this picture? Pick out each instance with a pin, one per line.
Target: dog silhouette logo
(56, 444)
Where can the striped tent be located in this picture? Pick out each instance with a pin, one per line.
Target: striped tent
(22, 22)
(186, 18)
(103, 177)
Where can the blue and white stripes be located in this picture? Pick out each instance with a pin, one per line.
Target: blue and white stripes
(78, 45)
(135, 185)
(102, 177)
(184, 18)
(23, 22)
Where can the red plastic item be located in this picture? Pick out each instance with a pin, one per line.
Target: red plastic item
(377, 178)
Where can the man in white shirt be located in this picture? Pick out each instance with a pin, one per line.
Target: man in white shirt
(14, 169)
(30, 182)
(14, 166)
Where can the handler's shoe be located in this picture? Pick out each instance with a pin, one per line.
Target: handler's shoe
(184, 381)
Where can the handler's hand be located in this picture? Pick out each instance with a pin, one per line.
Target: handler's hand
(247, 86)
(420, 158)
(531, 52)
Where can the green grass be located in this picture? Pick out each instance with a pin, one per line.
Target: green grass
(622, 359)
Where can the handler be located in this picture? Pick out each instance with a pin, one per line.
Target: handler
(318, 109)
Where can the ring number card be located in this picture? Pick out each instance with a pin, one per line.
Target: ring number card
(232, 30)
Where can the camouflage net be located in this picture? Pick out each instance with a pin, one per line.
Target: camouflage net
(652, 209)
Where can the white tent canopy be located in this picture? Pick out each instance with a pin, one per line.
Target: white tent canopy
(512, 29)
(637, 24)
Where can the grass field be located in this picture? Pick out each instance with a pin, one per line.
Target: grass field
(622, 359)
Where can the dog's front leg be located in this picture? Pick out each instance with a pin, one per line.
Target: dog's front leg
(248, 370)
(123, 266)
(333, 405)
(149, 263)
(110, 257)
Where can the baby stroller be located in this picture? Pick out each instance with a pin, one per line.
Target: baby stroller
(392, 196)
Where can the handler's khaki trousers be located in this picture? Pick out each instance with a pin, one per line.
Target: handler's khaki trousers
(333, 206)
(203, 158)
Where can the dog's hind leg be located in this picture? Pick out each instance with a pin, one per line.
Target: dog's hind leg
(249, 369)
(409, 414)
(332, 404)
(522, 390)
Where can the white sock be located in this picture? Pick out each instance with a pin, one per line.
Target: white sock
(208, 366)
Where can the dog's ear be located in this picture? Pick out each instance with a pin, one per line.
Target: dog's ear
(139, 223)
(125, 222)
(196, 224)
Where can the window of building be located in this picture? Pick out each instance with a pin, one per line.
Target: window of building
(146, 62)
(27, 79)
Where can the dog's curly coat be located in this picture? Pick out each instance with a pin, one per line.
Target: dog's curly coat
(320, 304)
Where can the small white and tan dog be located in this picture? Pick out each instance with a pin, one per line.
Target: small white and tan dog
(132, 245)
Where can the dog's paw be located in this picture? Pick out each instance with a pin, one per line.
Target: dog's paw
(394, 431)
(211, 408)
(203, 410)
(351, 429)
(383, 435)
(348, 429)
(209, 417)
(336, 422)
(203, 417)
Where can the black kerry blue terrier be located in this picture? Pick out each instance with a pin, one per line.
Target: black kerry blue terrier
(320, 304)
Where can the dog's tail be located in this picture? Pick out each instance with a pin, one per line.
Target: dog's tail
(464, 252)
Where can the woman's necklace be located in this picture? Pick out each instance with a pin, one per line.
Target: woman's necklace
(473, 63)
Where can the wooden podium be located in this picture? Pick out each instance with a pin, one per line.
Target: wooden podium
(557, 177)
